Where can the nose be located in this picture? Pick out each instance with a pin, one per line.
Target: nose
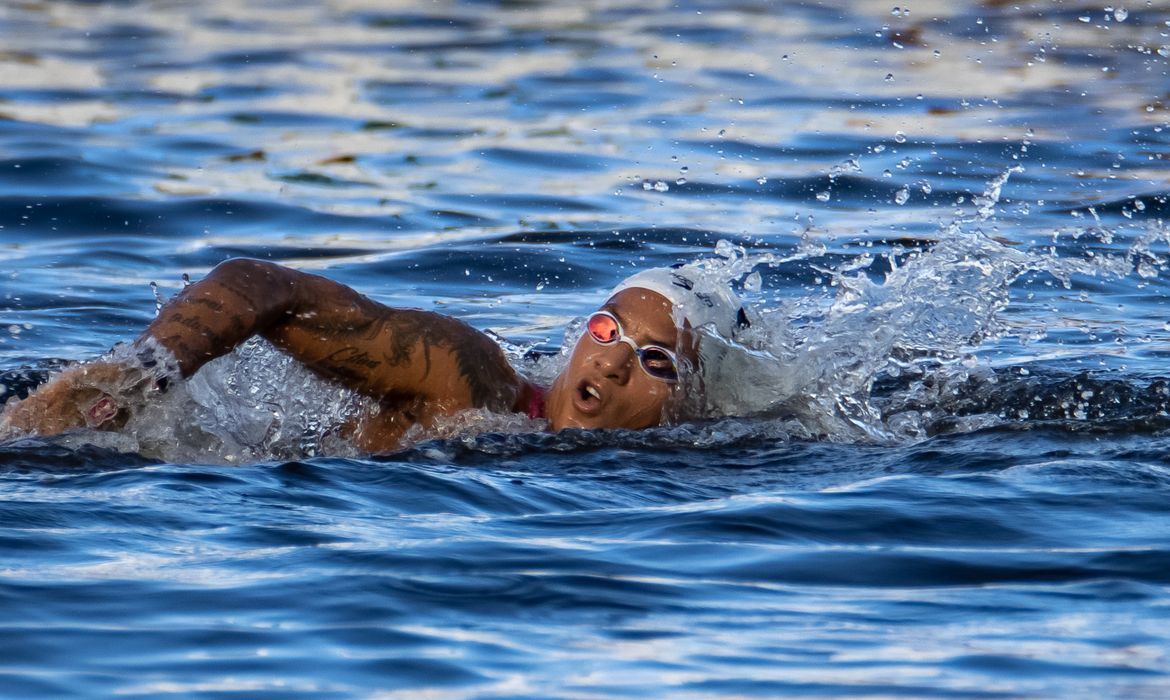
(614, 361)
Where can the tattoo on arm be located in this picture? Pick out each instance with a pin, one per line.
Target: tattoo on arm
(209, 303)
(480, 361)
(353, 357)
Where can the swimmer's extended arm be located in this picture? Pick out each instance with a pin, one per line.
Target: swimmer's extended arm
(374, 349)
(430, 363)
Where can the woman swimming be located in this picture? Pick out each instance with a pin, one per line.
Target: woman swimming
(624, 372)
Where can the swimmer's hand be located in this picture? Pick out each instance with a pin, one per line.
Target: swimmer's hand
(97, 395)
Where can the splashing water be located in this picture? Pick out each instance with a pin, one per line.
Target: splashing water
(816, 360)
(252, 404)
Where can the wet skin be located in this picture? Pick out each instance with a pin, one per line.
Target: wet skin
(603, 386)
(418, 365)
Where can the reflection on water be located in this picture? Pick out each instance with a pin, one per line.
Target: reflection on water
(985, 517)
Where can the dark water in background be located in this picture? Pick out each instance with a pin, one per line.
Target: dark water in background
(508, 163)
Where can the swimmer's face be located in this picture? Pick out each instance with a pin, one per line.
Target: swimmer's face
(603, 385)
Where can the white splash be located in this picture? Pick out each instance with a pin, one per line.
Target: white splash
(816, 358)
(252, 404)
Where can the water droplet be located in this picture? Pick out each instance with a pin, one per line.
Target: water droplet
(1139, 205)
(722, 133)
(926, 188)
(681, 181)
(879, 148)
(1120, 14)
(466, 272)
(899, 137)
(901, 196)
(849, 166)
(158, 298)
(824, 196)
(937, 53)
(889, 77)
(661, 186)
(897, 12)
(1164, 51)
(684, 169)
(1084, 18)
(761, 180)
(726, 249)
(753, 282)
(14, 329)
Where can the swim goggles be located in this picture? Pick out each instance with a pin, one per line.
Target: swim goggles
(655, 360)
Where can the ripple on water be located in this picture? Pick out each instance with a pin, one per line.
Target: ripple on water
(1002, 533)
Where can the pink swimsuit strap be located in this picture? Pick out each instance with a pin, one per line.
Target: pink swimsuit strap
(536, 402)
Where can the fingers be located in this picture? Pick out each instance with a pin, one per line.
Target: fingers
(51, 410)
(84, 396)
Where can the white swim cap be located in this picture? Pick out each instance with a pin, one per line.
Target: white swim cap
(697, 298)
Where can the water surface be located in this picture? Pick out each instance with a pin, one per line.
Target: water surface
(940, 472)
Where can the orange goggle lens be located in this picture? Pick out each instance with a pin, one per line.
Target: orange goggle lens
(604, 328)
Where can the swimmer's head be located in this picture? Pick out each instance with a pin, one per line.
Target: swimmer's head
(628, 365)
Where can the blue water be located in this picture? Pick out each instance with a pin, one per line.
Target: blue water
(964, 496)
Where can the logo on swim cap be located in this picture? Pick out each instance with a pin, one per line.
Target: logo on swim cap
(680, 281)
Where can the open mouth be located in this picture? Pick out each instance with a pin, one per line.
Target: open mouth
(588, 397)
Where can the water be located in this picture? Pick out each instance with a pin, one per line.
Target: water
(934, 467)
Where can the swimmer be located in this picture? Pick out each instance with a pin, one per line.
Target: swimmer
(624, 372)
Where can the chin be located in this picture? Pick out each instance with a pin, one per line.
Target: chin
(570, 419)
(602, 422)
(561, 423)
